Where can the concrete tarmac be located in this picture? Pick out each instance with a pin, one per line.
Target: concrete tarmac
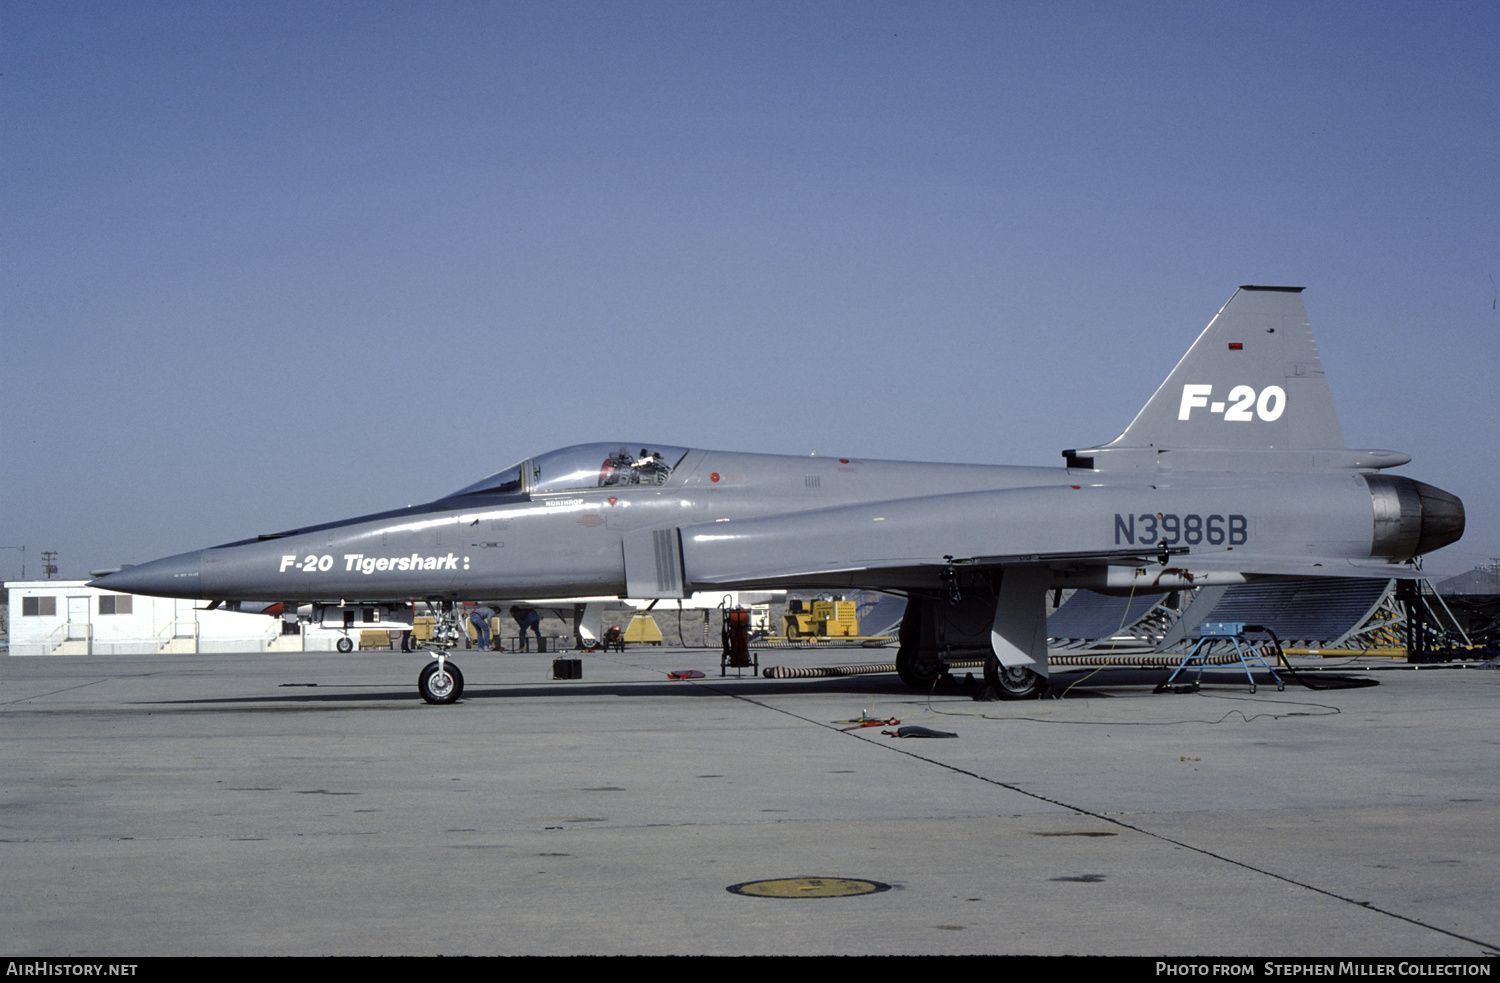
(312, 804)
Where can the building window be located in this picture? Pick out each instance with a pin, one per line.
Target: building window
(38, 607)
(114, 603)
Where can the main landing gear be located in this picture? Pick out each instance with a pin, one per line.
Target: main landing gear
(936, 631)
(1012, 682)
(441, 681)
(917, 669)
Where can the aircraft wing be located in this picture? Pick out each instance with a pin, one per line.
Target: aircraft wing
(924, 569)
(1254, 566)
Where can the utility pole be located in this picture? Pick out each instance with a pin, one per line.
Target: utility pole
(23, 557)
(48, 567)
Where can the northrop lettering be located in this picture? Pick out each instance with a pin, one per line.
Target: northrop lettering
(1235, 471)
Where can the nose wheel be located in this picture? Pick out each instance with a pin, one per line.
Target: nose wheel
(440, 682)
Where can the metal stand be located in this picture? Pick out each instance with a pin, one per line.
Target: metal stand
(1212, 633)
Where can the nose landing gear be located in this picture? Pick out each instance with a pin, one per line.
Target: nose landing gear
(441, 681)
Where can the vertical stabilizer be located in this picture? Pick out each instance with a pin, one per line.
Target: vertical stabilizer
(1252, 381)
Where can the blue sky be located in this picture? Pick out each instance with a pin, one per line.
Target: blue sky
(267, 264)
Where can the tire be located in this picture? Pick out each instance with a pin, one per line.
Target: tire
(346, 645)
(440, 688)
(916, 672)
(1014, 683)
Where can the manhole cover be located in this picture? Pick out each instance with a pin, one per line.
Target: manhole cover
(808, 887)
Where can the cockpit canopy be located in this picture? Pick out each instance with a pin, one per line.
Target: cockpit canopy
(583, 466)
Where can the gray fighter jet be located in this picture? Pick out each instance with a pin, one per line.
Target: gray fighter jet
(1234, 471)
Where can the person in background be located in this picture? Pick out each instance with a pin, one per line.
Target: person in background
(480, 619)
(527, 618)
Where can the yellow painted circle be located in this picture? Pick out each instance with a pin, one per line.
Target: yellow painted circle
(809, 887)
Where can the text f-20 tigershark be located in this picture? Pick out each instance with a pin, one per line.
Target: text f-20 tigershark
(1234, 471)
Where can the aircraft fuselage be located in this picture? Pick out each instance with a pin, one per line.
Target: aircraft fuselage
(748, 520)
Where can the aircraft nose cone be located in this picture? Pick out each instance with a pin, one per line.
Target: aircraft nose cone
(174, 576)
